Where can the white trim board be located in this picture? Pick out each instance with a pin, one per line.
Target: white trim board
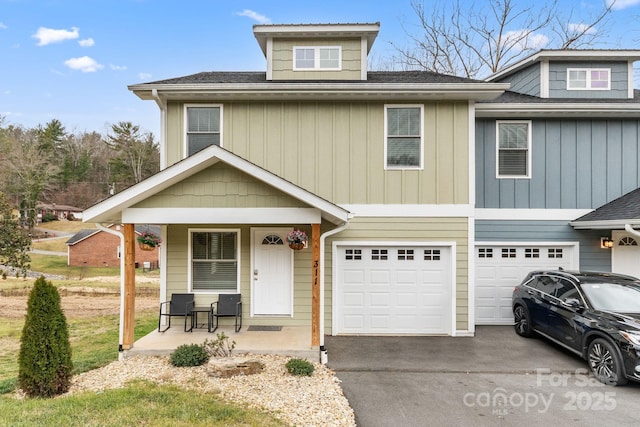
(531, 214)
(399, 210)
(222, 216)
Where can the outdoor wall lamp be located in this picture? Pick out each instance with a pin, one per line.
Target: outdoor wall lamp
(606, 243)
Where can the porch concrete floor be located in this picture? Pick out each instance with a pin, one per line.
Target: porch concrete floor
(291, 341)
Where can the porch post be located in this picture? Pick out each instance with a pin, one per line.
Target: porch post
(315, 285)
(129, 285)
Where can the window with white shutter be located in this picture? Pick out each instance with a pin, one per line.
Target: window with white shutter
(404, 140)
(513, 149)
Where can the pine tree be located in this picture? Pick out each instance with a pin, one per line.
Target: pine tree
(45, 351)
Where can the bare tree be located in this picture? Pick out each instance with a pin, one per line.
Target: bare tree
(468, 39)
(29, 171)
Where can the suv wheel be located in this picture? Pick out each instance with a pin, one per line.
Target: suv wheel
(522, 323)
(605, 362)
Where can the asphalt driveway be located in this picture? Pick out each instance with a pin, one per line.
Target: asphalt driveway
(494, 378)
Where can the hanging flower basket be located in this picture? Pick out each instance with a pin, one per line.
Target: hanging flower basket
(297, 239)
(145, 247)
(148, 241)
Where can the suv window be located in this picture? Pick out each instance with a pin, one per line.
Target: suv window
(565, 289)
(544, 284)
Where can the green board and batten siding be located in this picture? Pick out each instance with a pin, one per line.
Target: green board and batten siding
(336, 150)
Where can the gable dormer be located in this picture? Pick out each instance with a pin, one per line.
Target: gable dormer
(316, 51)
(574, 74)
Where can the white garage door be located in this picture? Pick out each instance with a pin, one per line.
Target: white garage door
(393, 290)
(500, 268)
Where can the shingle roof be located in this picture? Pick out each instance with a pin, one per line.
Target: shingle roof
(81, 235)
(510, 97)
(221, 77)
(623, 208)
(86, 232)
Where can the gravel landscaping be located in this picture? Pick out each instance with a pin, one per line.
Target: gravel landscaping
(301, 401)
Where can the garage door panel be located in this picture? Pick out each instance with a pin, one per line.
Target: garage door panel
(378, 300)
(379, 276)
(354, 299)
(403, 291)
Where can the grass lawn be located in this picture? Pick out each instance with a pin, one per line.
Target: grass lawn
(140, 403)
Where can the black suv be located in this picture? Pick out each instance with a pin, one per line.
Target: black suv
(596, 315)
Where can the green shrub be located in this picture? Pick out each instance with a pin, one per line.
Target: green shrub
(45, 351)
(189, 355)
(299, 367)
(49, 216)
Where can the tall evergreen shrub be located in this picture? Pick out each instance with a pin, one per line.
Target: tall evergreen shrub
(45, 352)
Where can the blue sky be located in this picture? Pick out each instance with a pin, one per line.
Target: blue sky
(72, 59)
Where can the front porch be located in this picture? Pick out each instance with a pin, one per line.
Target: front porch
(294, 341)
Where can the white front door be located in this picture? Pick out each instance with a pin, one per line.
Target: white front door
(272, 273)
(625, 254)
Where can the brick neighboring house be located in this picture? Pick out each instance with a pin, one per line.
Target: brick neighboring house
(97, 248)
(60, 211)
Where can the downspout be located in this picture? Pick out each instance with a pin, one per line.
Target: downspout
(629, 228)
(121, 325)
(323, 351)
(162, 105)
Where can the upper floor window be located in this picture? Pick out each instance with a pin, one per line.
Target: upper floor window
(203, 127)
(317, 57)
(513, 149)
(214, 260)
(404, 132)
(588, 78)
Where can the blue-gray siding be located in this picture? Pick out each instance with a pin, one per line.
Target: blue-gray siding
(576, 164)
(525, 81)
(592, 257)
(558, 80)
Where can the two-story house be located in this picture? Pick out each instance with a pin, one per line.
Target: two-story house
(376, 167)
(553, 156)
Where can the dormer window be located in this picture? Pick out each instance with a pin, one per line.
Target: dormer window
(588, 78)
(308, 58)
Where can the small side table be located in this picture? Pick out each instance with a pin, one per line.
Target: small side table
(194, 316)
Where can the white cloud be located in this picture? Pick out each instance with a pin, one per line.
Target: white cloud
(579, 28)
(117, 67)
(86, 42)
(261, 19)
(144, 76)
(84, 64)
(47, 36)
(2, 26)
(623, 4)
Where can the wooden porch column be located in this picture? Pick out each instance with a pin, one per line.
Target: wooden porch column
(129, 285)
(315, 285)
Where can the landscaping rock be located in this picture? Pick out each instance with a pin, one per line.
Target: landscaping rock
(227, 367)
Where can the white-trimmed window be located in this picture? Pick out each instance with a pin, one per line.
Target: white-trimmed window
(513, 149)
(307, 58)
(404, 136)
(588, 78)
(214, 260)
(203, 127)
